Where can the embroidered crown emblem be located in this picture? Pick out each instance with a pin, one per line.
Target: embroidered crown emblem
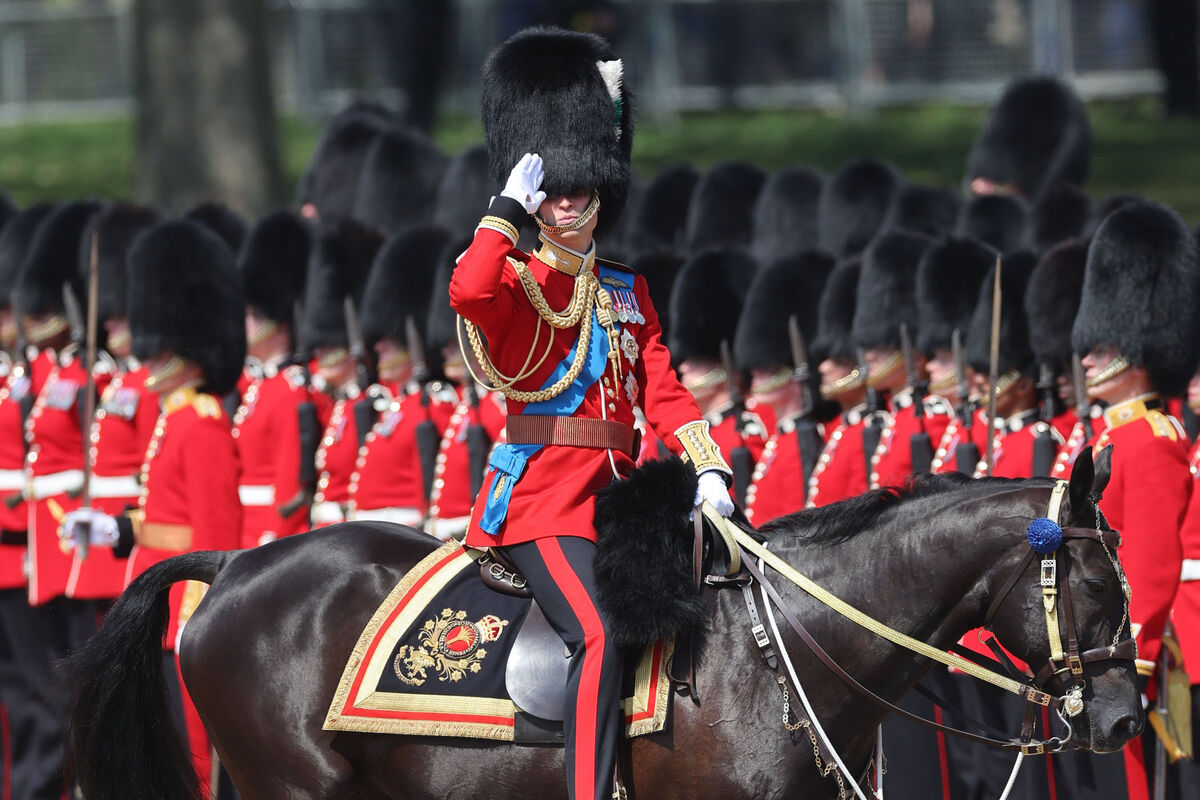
(450, 644)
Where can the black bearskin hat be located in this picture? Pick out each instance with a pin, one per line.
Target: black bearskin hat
(466, 188)
(722, 208)
(835, 316)
(400, 283)
(887, 289)
(337, 268)
(399, 181)
(15, 240)
(440, 328)
(274, 264)
(115, 228)
(660, 268)
(544, 93)
(659, 216)
(8, 210)
(1110, 204)
(999, 221)
(1141, 294)
(52, 260)
(855, 201)
(948, 281)
(706, 301)
(186, 297)
(924, 210)
(1037, 135)
(1062, 212)
(1015, 352)
(785, 216)
(790, 286)
(331, 180)
(223, 221)
(1052, 301)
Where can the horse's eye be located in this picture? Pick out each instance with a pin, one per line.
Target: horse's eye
(1095, 585)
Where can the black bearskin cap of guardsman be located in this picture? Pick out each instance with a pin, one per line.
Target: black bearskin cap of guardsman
(1052, 301)
(399, 181)
(835, 317)
(948, 282)
(223, 221)
(660, 268)
(331, 181)
(15, 240)
(560, 94)
(1062, 212)
(114, 229)
(1036, 136)
(400, 282)
(338, 267)
(924, 209)
(441, 326)
(186, 297)
(854, 204)
(1141, 294)
(790, 286)
(8, 210)
(785, 215)
(706, 302)
(999, 221)
(1015, 350)
(887, 289)
(722, 208)
(274, 264)
(462, 195)
(52, 260)
(659, 215)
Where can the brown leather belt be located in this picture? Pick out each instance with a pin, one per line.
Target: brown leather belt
(594, 434)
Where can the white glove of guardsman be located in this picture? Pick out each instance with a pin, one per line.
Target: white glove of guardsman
(525, 182)
(711, 487)
(98, 528)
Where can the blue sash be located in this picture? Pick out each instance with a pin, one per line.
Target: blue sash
(508, 460)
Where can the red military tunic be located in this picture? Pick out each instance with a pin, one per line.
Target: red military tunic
(121, 431)
(891, 464)
(451, 499)
(266, 429)
(336, 456)
(1186, 612)
(945, 457)
(554, 494)
(777, 486)
(14, 521)
(1076, 440)
(722, 426)
(1013, 439)
(388, 480)
(841, 471)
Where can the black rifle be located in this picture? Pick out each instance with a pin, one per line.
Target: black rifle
(479, 444)
(966, 454)
(364, 408)
(1083, 405)
(920, 446)
(740, 461)
(427, 432)
(310, 428)
(1045, 446)
(808, 437)
(872, 432)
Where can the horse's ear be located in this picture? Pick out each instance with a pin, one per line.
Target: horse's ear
(1083, 476)
(1103, 472)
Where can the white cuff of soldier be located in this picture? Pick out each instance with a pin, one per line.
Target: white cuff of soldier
(99, 528)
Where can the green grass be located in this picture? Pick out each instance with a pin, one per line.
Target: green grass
(1135, 149)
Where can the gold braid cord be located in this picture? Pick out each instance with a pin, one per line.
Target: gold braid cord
(587, 296)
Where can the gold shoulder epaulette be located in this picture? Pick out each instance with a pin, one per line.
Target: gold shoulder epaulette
(207, 406)
(1162, 425)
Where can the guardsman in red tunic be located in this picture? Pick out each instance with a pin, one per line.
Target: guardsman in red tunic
(275, 425)
(1139, 324)
(605, 356)
(841, 471)
(338, 270)
(948, 282)
(789, 288)
(127, 411)
(395, 465)
(194, 353)
(706, 301)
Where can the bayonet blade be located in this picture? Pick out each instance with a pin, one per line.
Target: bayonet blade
(74, 314)
(799, 351)
(416, 350)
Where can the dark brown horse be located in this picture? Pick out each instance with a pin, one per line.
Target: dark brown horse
(263, 653)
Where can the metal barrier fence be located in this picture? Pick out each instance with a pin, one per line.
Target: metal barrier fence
(62, 58)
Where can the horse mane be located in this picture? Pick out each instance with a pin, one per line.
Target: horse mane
(839, 522)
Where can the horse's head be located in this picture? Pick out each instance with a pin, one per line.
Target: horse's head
(1090, 610)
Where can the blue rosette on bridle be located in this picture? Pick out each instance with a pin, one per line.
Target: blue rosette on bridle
(1045, 535)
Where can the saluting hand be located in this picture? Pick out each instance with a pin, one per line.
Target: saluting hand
(525, 182)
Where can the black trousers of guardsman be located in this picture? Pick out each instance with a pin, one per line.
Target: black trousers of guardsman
(559, 573)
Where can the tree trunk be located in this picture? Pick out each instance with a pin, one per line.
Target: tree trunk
(205, 114)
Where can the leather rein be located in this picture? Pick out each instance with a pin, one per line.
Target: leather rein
(1066, 661)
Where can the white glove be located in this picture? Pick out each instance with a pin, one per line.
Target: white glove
(99, 528)
(525, 181)
(711, 487)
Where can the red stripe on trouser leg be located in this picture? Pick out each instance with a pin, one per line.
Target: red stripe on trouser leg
(943, 756)
(1051, 787)
(197, 738)
(587, 697)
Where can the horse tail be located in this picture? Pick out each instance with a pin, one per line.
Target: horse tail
(122, 738)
